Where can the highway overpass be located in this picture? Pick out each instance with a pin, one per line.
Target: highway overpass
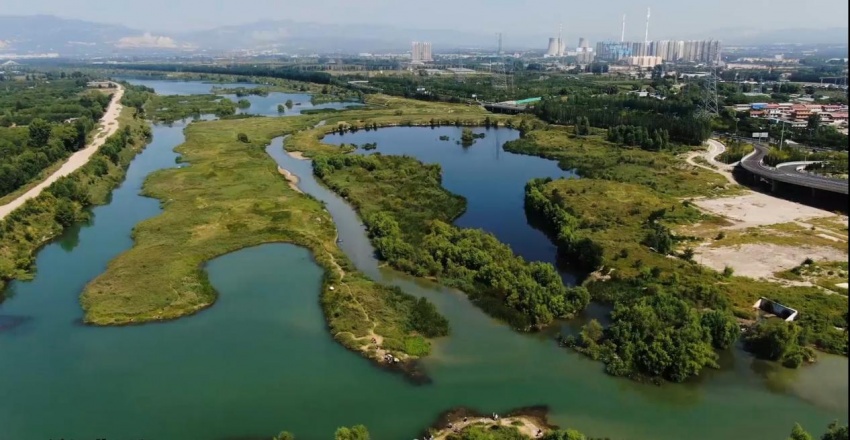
(754, 163)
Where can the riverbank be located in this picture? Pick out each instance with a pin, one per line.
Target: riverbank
(656, 231)
(409, 217)
(230, 197)
(385, 111)
(107, 126)
(67, 199)
(528, 423)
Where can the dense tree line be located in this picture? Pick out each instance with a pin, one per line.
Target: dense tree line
(26, 152)
(289, 73)
(777, 340)
(53, 101)
(65, 202)
(563, 227)
(527, 295)
(657, 335)
(42, 123)
(677, 117)
(656, 140)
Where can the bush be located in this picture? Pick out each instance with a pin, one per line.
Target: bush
(242, 137)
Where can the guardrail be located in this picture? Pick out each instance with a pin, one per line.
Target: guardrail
(754, 163)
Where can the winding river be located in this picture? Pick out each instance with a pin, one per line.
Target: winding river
(261, 359)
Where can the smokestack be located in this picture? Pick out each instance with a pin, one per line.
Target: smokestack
(561, 45)
(646, 36)
(623, 34)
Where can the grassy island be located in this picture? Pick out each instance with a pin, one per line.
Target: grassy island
(232, 197)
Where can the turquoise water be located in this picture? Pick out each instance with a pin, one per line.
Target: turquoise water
(261, 359)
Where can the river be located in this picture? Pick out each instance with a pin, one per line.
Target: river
(261, 359)
(260, 105)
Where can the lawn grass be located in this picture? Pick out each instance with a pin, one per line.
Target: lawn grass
(229, 198)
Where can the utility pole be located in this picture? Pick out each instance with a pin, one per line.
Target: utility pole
(782, 135)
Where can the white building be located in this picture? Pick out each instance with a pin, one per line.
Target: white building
(421, 52)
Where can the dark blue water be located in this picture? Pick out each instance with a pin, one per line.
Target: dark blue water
(260, 105)
(492, 180)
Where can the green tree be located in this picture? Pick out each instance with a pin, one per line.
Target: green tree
(772, 339)
(427, 321)
(798, 433)
(722, 327)
(39, 131)
(836, 432)
(813, 122)
(658, 335)
(242, 137)
(284, 436)
(65, 214)
(565, 434)
(289, 103)
(358, 432)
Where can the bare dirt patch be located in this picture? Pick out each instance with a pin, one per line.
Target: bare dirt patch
(757, 209)
(762, 260)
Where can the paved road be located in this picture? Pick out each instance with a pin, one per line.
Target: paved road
(108, 127)
(754, 163)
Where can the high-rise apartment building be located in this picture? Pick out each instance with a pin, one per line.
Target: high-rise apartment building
(694, 51)
(421, 52)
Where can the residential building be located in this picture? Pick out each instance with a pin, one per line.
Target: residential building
(421, 52)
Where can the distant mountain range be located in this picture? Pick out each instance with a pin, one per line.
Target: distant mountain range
(23, 35)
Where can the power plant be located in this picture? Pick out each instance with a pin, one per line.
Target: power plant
(556, 48)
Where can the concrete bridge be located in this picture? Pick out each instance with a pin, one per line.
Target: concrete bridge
(788, 174)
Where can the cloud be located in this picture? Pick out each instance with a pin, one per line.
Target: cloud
(4, 44)
(147, 41)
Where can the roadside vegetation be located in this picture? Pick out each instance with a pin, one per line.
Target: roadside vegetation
(232, 197)
(735, 150)
(67, 201)
(43, 121)
(593, 157)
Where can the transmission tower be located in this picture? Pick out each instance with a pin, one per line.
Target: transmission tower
(709, 92)
(500, 75)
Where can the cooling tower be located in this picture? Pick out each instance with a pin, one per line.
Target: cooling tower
(554, 47)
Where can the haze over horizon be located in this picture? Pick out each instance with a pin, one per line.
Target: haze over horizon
(669, 18)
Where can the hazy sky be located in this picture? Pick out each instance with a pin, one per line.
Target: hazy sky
(670, 18)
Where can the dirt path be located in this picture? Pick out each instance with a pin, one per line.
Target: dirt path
(715, 149)
(373, 340)
(107, 127)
